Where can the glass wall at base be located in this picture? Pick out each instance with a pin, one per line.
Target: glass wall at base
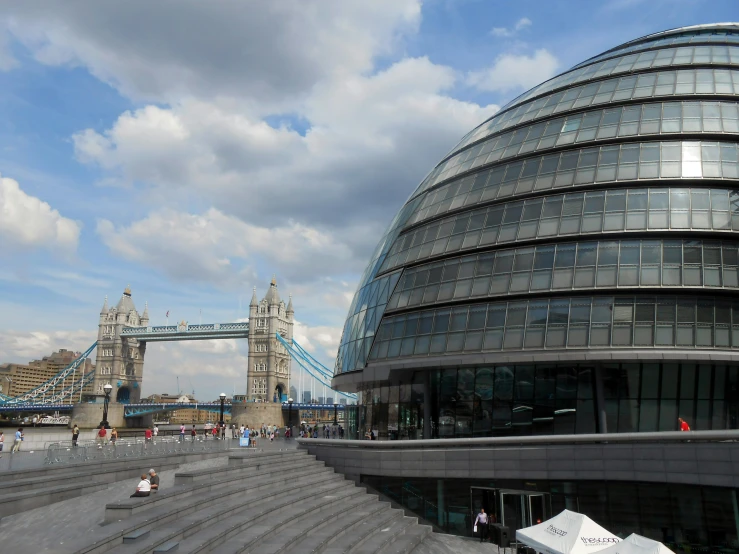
(686, 518)
(551, 399)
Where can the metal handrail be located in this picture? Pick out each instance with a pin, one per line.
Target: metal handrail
(540, 440)
(64, 452)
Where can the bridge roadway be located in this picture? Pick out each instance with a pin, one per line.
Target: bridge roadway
(139, 409)
(185, 331)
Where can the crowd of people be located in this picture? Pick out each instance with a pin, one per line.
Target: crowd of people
(254, 434)
(104, 436)
(325, 431)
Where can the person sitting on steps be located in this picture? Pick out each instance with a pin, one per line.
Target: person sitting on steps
(143, 488)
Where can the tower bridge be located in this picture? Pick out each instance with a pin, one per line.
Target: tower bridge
(120, 350)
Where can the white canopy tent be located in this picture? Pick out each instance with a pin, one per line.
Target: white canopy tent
(636, 544)
(567, 533)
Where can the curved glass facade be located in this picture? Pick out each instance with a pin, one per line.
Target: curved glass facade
(590, 223)
(623, 264)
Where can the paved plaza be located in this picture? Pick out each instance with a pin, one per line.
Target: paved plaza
(71, 524)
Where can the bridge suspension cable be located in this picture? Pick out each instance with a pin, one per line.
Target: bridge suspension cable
(319, 373)
(48, 392)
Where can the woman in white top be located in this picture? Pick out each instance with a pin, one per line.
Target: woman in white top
(143, 488)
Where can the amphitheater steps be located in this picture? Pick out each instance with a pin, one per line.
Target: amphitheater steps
(266, 503)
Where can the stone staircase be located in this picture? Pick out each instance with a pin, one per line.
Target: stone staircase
(271, 502)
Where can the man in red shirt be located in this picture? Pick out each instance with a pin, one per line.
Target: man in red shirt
(683, 424)
(102, 437)
(147, 435)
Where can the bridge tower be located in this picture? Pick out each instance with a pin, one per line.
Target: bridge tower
(268, 374)
(120, 360)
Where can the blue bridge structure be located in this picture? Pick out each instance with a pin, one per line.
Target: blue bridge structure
(62, 391)
(168, 333)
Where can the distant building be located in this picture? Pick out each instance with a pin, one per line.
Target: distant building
(185, 415)
(16, 379)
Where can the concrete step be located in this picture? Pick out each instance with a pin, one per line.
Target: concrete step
(251, 536)
(16, 502)
(408, 540)
(201, 521)
(104, 538)
(363, 532)
(312, 525)
(340, 529)
(260, 521)
(382, 536)
(258, 480)
(249, 466)
(124, 509)
(247, 456)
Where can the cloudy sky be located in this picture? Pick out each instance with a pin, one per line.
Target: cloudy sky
(193, 149)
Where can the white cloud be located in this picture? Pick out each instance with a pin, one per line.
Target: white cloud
(505, 32)
(24, 346)
(322, 342)
(269, 53)
(240, 198)
(26, 221)
(218, 248)
(372, 138)
(514, 71)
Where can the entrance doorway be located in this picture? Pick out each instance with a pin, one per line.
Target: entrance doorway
(514, 509)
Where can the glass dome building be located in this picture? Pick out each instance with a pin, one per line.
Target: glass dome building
(571, 266)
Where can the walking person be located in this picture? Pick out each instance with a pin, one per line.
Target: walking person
(682, 424)
(148, 434)
(182, 432)
(156, 432)
(481, 525)
(75, 435)
(102, 436)
(193, 433)
(113, 435)
(18, 440)
(2, 443)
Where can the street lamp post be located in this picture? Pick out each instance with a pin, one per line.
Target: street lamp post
(290, 415)
(222, 396)
(107, 388)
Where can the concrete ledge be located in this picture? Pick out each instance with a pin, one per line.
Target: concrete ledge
(23, 501)
(592, 438)
(190, 477)
(240, 460)
(97, 466)
(671, 457)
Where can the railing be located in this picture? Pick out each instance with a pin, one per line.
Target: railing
(65, 452)
(176, 332)
(539, 440)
